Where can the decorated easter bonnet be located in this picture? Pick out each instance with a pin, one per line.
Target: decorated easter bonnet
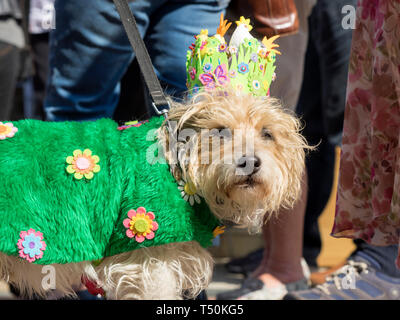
(245, 65)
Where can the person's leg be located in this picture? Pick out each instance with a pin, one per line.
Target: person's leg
(322, 106)
(40, 52)
(290, 65)
(284, 249)
(171, 32)
(320, 167)
(167, 45)
(309, 109)
(383, 256)
(333, 44)
(89, 53)
(267, 240)
(9, 70)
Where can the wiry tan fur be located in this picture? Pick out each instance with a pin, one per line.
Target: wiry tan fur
(170, 271)
(278, 183)
(181, 270)
(27, 277)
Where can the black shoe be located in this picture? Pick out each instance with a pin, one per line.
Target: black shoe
(249, 285)
(247, 264)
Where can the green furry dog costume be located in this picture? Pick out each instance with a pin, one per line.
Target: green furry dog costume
(61, 203)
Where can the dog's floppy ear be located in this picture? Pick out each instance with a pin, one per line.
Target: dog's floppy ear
(178, 133)
(168, 136)
(180, 114)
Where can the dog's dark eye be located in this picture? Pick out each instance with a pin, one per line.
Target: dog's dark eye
(266, 134)
(184, 139)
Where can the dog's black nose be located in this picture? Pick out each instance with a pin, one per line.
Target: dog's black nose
(251, 163)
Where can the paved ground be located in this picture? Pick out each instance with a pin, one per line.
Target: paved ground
(222, 280)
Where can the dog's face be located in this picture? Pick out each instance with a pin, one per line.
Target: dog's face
(243, 154)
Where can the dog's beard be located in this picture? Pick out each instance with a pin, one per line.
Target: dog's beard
(235, 194)
(242, 207)
(241, 200)
(241, 196)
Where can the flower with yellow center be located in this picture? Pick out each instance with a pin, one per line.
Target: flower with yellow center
(7, 130)
(189, 192)
(83, 164)
(140, 225)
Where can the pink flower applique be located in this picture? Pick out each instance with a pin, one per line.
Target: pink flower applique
(7, 130)
(31, 245)
(140, 225)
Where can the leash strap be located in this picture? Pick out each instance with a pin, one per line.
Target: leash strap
(160, 103)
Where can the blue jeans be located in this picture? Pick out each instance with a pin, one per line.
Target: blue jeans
(90, 52)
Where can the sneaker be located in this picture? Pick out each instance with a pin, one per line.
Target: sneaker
(254, 289)
(359, 279)
(320, 277)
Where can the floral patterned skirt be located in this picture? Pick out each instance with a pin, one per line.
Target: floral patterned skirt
(368, 203)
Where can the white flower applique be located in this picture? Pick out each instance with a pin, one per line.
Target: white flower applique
(189, 192)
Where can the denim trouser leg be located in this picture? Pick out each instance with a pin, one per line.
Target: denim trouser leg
(171, 32)
(384, 256)
(89, 50)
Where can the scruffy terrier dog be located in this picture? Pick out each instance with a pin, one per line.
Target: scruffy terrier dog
(255, 170)
(242, 154)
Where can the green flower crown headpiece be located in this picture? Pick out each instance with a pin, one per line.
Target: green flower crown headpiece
(246, 65)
